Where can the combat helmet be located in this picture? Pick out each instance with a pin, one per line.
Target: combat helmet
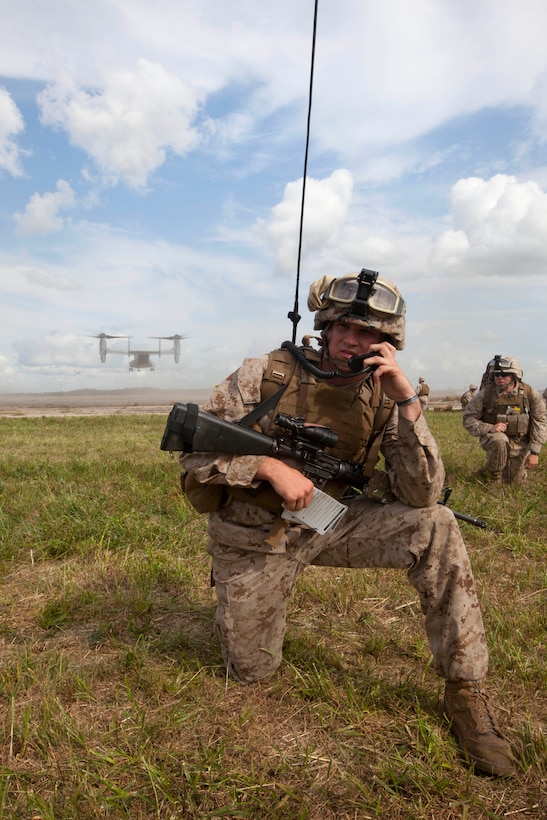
(507, 365)
(501, 365)
(360, 298)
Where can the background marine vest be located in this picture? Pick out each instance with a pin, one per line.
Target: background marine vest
(511, 407)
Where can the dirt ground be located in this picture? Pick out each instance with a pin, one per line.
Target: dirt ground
(125, 402)
(96, 402)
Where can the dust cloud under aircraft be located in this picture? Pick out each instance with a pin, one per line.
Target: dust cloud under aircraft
(140, 359)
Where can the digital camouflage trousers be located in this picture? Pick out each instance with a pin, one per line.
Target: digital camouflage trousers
(506, 456)
(254, 587)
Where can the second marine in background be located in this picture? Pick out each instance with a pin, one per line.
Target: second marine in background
(509, 418)
(423, 391)
(468, 395)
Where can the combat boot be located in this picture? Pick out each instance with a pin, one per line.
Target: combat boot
(466, 705)
(490, 476)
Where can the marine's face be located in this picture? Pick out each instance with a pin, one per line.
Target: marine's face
(346, 340)
(504, 383)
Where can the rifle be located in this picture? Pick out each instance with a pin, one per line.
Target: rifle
(191, 430)
(477, 522)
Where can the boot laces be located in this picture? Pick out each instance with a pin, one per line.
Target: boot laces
(482, 711)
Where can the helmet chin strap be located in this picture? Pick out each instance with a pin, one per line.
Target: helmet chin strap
(506, 388)
(355, 363)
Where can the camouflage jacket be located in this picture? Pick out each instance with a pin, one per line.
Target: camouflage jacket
(414, 465)
(478, 407)
(466, 397)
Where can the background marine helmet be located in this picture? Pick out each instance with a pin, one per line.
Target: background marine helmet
(421, 380)
(333, 299)
(505, 366)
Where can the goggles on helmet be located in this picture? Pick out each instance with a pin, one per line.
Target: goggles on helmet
(365, 291)
(503, 366)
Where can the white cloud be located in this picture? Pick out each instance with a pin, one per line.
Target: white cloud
(41, 216)
(400, 70)
(128, 127)
(11, 124)
(386, 73)
(53, 349)
(499, 228)
(49, 279)
(326, 207)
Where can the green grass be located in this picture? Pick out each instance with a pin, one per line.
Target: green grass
(113, 698)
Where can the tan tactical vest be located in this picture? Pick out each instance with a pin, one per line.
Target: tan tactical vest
(353, 411)
(360, 416)
(512, 409)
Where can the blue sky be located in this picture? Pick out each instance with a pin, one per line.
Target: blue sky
(151, 161)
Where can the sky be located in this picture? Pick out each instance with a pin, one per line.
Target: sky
(152, 158)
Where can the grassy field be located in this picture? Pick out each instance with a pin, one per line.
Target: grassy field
(114, 702)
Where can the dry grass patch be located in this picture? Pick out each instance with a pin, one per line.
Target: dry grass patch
(113, 697)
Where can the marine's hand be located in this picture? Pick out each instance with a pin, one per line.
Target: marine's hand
(294, 488)
(499, 427)
(394, 382)
(532, 460)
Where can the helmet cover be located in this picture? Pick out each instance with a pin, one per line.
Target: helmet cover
(505, 366)
(386, 309)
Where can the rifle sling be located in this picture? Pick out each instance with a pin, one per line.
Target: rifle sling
(375, 440)
(262, 408)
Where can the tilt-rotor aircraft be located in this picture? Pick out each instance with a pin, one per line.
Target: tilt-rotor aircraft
(141, 358)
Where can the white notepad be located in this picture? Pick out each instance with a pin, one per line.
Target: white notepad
(322, 514)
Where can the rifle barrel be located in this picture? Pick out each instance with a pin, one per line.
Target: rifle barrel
(477, 522)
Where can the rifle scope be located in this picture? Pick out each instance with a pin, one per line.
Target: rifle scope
(314, 433)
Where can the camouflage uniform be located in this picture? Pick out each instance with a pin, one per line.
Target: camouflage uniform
(468, 395)
(506, 454)
(255, 574)
(422, 391)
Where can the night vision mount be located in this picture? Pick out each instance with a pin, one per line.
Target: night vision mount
(365, 282)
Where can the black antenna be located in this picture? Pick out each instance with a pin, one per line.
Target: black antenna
(293, 314)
